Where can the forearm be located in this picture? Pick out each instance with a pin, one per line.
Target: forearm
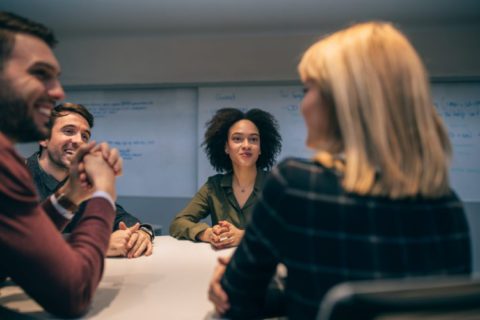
(58, 220)
(65, 274)
(184, 228)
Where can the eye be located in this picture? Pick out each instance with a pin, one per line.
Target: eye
(305, 90)
(69, 131)
(254, 139)
(237, 139)
(42, 74)
(85, 137)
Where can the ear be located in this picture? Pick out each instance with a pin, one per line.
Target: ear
(226, 148)
(43, 143)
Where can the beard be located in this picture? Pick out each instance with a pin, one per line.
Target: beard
(16, 120)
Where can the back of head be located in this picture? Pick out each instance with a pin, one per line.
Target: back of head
(376, 85)
(10, 24)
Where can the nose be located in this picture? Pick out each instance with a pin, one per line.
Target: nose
(77, 139)
(245, 143)
(55, 90)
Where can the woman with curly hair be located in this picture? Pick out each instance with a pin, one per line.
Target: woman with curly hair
(242, 146)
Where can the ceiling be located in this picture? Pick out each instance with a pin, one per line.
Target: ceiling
(90, 17)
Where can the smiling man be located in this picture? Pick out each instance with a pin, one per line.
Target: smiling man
(71, 126)
(61, 276)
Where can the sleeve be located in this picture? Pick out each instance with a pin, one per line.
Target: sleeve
(123, 215)
(58, 219)
(61, 276)
(254, 262)
(186, 223)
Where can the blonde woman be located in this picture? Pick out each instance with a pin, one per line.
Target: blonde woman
(375, 202)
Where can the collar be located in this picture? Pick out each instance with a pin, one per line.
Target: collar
(227, 179)
(48, 181)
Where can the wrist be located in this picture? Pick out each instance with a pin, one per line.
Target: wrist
(146, 228)
(65, 201)
(204, 235)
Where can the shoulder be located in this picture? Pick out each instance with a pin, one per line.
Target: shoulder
(17, 184)
(215, 183)
(217, 177)
(219, 180)
(32, 162)
(305, 174)
(298, 169)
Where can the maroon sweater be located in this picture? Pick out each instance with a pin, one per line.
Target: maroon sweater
(60, 275)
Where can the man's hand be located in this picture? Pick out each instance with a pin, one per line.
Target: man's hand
(99, 173)
(117, 247)
(139, 242)
(75, 188)
(216, 294)
(111, 156)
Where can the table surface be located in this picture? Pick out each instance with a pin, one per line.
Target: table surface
(170, 284)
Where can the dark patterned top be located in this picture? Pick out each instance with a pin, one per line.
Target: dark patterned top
(325, 235)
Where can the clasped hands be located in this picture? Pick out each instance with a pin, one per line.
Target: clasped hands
(93, 168)
(222, 235)
(130, 242)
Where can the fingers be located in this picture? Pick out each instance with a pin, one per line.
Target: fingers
(115, 161)
(111, 156)
(149, 250)
(221, 306)
(227, 243)
(216, 294)
(224, 260)
(141, 246)
(135, 227)
(122, 226)
(103, 148)
(138, 249)
(225, 224)
(118, 243)
(218, 229)
(132, 241)
(82, 151)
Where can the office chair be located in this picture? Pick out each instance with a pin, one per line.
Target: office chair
(414, 298)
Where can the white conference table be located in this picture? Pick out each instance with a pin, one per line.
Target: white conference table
(170, 284)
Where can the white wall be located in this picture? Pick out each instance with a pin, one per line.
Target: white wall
(155, 59)
(448, 51)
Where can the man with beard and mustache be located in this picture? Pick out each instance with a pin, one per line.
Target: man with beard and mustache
(71, 126)
(61, 276)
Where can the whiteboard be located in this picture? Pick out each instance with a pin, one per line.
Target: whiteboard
(459, 106)
(281, 101)
(155, 131)
(457, 103)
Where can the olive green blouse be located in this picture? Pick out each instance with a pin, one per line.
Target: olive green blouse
(215, 198)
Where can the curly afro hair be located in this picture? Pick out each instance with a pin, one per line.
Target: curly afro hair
(217, 134)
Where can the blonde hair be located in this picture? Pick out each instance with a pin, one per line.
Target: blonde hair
(373, 81)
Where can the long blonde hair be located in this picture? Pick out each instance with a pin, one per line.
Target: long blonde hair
(375, 84)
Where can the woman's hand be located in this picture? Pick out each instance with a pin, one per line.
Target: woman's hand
(216, 294)
(231, 237)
